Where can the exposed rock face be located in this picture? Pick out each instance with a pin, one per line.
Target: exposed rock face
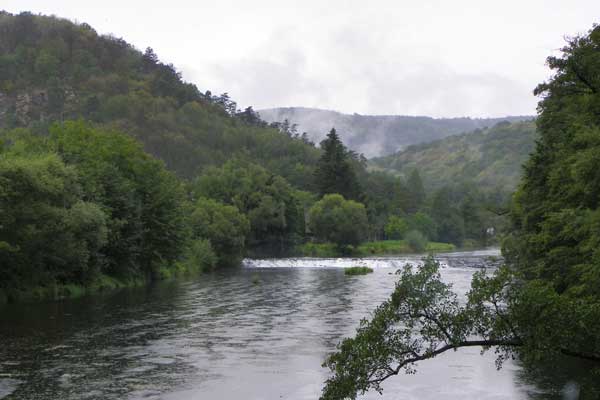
(33, 105)
(3, 107)
(23, 108)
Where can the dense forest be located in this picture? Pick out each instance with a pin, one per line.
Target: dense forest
(377, 135)
(115, 172)
(492, 158)
(544, 304)
(54, 70)
(144, 175)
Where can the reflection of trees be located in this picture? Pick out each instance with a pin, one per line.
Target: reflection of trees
(566, 378)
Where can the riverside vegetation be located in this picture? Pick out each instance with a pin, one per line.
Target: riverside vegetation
(114, 171)
(544, 304)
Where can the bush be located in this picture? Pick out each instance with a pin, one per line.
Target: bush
(396, 228)
(416, 241)
(337, 220)
(200, 256)
(423, 223)
(224, 226)
(357, 271)
(318, 250)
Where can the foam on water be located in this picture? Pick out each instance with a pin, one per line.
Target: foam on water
(473, 259)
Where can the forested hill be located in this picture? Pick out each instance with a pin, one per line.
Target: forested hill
(491, 157)
(53, 69)
(377, 135)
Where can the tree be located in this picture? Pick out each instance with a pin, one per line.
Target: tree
(149, 59)
(224, 226)
(423, 319)
(416, 241)
(449, 221)
(334, 173)
(423, 223)
(268, 201)
(250, 117)
(336, 220)
(542, 305)
(48, 233)
(416, 192)
(556, 212)
(143, 201)
(396, 227)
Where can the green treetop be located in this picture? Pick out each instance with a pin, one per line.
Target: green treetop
(334, 173)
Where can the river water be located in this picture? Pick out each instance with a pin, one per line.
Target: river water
(257, 332)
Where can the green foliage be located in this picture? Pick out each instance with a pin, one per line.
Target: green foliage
(334, 219)
(143, 200)
(423, 319)
(357, 271)
(556, 213)
(490, 158)
(383, 247)
(85, 202)
(200, 256)
(449, 221)
(335, 172)
(542, 306)
(416, 192)
(268, 201)
(379, 135)
(423, 223)
(48, 232)
(323, 250)
(416, 241)
(396, 227)
(224, 226)
(59, 70)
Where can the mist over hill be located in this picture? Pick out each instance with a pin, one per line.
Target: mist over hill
(492, 158)
(378, 135)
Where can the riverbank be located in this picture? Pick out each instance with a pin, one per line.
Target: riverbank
(224, 337)
(102, 284)
(382, 247)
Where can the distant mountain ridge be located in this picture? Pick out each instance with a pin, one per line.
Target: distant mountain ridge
(492, 158)
(378, 135)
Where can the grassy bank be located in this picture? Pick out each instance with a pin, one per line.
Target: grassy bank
(102, 284)
(400, 247)
(382, 247)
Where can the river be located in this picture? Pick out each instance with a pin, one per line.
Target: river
(253, 333)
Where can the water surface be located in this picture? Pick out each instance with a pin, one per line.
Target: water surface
(258, 332)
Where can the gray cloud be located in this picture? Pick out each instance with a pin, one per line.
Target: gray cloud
(427, 57)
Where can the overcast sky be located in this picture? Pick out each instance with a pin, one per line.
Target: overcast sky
(419, 57)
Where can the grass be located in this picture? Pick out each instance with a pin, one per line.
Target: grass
(399, 247)
(357, 271)
(324, 250)
(381, 247)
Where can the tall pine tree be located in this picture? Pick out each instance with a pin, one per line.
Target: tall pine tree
(334, 173)
(416, 192)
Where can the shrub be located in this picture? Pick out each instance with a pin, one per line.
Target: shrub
(200, 256)
(396, 228)
(357, 271)
(337, 220)
(416, 241)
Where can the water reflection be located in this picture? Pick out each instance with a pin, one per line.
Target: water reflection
(251, 333)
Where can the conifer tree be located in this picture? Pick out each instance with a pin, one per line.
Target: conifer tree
(334, 173)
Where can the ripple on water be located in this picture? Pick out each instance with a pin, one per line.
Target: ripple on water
(223, 336)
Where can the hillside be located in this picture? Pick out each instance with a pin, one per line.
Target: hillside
(491, 157)
(377, 135)
(52, 69)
